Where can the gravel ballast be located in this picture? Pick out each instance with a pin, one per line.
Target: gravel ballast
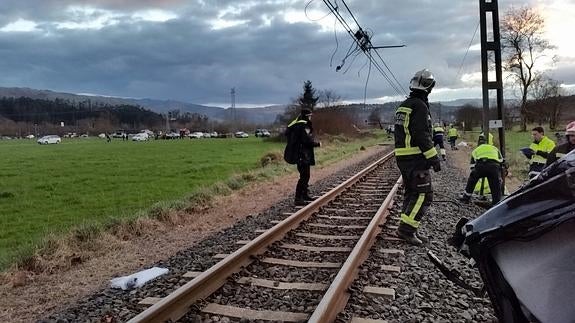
(422, 294)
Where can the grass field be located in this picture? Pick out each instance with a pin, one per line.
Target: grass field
(52, 188)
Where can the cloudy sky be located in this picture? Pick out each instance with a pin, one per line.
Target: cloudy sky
(197, 50)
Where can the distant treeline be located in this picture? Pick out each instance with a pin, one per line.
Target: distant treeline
(23, 115)
(38, 111)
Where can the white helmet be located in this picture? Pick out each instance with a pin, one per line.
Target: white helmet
(570, 129)
(422, 80)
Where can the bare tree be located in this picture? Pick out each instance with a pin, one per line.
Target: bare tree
(523, 45)
(547, 100)
(328, 98)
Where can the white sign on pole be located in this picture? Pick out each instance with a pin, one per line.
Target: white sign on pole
(495, 124)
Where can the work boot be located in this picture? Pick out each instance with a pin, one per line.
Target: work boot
(306, 196)
(409, 237)
(421, 237)
(465, 197)
(444, 159)
(299, 200)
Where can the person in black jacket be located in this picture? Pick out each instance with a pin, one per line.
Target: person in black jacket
(299, 150)
(415, 155)
(561, 150)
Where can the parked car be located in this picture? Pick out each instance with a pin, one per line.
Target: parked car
(150, 133)
(196, 135)
(207, 135)
(214, 134)
(102, 136)
(30, 137)
(50, 139)
(262, 133)
(85, 135)
(140, 137)
(118, 134)
(241, 134)
(172, 135)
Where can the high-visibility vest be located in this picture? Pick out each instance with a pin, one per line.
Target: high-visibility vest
(545, 145)
(452, 132)
(486, 151)
(438, 130)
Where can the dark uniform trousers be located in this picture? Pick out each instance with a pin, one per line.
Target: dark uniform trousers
(492, 171)
(301, 189)
(418, 193)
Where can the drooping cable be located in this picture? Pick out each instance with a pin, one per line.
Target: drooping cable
(467, 51)
(365, 46)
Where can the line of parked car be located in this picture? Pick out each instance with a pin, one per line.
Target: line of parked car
(145, 135)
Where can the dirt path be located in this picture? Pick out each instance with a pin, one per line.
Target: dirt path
(38, 295)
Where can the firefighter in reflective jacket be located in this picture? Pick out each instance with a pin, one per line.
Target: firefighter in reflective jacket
(438, 134)
(486, 161)
(559, 151)
(452, 135)
(540, 149)
(415, 155)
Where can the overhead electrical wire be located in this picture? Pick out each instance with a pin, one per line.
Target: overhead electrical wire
(365, 47)
(467, 51)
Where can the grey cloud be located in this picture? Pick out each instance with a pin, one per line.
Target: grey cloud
(185, 59)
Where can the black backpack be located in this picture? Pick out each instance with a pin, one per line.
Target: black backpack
(291, 152)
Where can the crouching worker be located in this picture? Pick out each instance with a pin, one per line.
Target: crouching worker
(299, 151)
(486, 161)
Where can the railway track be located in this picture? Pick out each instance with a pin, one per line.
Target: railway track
(298, 268)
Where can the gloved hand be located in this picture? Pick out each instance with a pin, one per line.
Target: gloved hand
(434, 163)
(540, 153)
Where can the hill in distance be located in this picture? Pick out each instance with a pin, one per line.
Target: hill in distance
(261, 115)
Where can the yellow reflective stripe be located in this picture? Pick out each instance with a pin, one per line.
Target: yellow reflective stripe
(406, 130)
(404, 110)
(559, 155)
(296, 121)
(410, 219)
(538, 159)
(408, 151)
(430, 153)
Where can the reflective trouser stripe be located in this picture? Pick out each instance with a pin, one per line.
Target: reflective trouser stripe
(559, 155)
(410, 219)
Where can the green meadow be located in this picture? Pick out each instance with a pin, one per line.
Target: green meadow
(80, 182)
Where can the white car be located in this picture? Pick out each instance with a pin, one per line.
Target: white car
(140, 137)
(214, 134)
(207, 135)
(102, 136)
(30, 137)
(50, 139)
(196, 135)
(241, 134)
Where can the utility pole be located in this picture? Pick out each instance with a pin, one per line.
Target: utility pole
(490, 8)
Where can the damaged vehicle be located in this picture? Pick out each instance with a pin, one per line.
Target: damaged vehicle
(524, 249)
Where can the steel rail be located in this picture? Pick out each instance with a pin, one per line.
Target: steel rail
(177, 304)
(336, 297)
